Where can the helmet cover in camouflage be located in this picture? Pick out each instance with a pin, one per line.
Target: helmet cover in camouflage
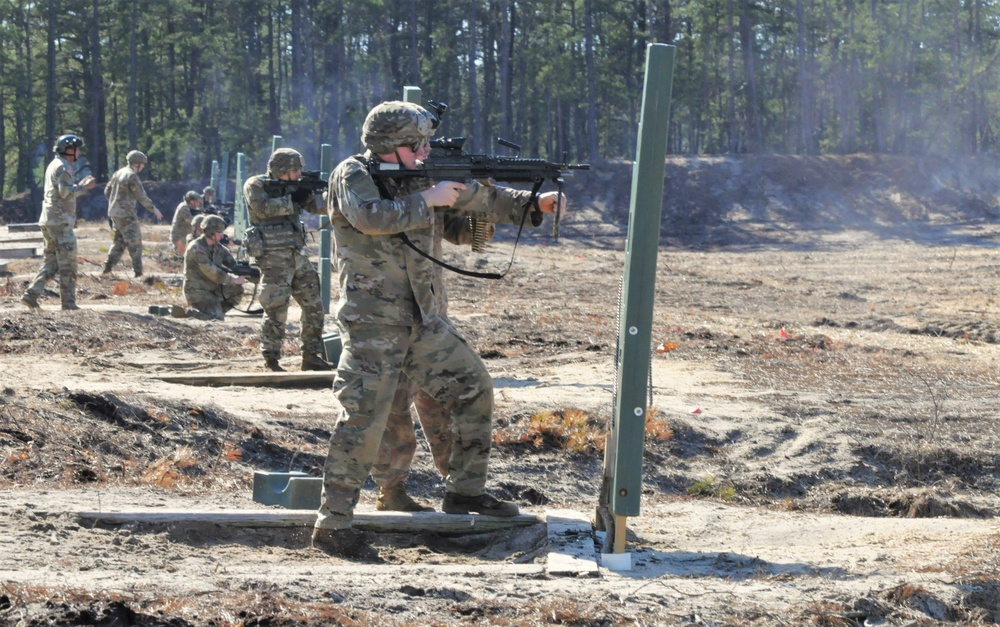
(64, 142)
(284, 160)
(135, 157)
(208, 191)
(396, 123)
(212, 225)
(192, 195)
(197, 220)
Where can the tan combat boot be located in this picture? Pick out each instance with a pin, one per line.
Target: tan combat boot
(314, 362)
(395, 499)
(30, 301)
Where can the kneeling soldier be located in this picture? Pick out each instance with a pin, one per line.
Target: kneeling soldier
(210, 290)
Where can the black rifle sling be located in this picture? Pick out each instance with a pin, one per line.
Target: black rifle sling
(493, 276)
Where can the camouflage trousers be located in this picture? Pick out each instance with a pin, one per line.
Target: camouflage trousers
(399, 442)
(284, 275)
(437, 360)
(212, 305)
(59, 259)
(127, 235)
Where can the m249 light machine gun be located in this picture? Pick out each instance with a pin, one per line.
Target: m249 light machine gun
(448, 162)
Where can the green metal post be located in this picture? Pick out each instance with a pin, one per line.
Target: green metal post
(625, 443)
(276, 142)
(325, 245)
(413, 94)
(241, 220)
(221, 192)
(214, 181)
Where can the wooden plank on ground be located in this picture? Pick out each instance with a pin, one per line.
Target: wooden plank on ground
(22, 252)
(9, 240)
(23, 227)
(259, 379)
(571, 545)
(390, 522)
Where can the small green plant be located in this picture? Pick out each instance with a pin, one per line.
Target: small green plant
(708, 487)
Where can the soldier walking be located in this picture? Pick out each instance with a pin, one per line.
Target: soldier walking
(123, 190)
(57, 223)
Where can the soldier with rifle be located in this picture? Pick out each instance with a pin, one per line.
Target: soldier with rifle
(390, 318)
(210, 287)
(276, 240)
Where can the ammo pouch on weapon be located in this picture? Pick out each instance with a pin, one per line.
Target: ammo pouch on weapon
(262, 238)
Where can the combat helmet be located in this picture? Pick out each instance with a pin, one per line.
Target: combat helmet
(284, 160)
(396, 123)
(208, 191)
(191, 195)
(65, 142)
(135, 157)
(212, 225)
(197, 220)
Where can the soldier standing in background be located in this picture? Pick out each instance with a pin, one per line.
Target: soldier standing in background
(209, 289)
(57, 222)
(276, 240)
(180, 226)
(123, 190)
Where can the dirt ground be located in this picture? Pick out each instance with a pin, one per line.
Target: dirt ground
(823, 450)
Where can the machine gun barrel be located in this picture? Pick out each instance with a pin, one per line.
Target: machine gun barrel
(472, 166)
(308, 181)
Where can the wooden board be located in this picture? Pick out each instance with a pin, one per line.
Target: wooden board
(23, 227)
(22, 252)
(258, 379)
(392, 522)
(20, 240)
(571, 545)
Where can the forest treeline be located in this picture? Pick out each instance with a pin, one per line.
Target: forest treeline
(185, 80)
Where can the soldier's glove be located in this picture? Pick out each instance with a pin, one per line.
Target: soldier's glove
(301, 195)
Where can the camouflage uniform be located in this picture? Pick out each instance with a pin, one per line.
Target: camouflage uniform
(195, 229)
(57, 223)
(276, 240)
(399, 442)
(180, 226)
(391, 322)
(123, 190)
(208, 289)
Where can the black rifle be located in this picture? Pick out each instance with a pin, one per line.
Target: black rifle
(448, 162)
(310, 182)
(244, 269)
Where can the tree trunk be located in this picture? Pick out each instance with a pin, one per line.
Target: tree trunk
(593, 139)
(806, 136)
(475, 107)
(746, 27)
(97, 154)
(133, 69)
(506, 46)
(50, 74)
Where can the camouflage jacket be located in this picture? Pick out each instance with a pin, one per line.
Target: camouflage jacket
(123, 190)
(180, 227)
(264, 211)
(382, 280)
(59, 201)
(203, 266)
